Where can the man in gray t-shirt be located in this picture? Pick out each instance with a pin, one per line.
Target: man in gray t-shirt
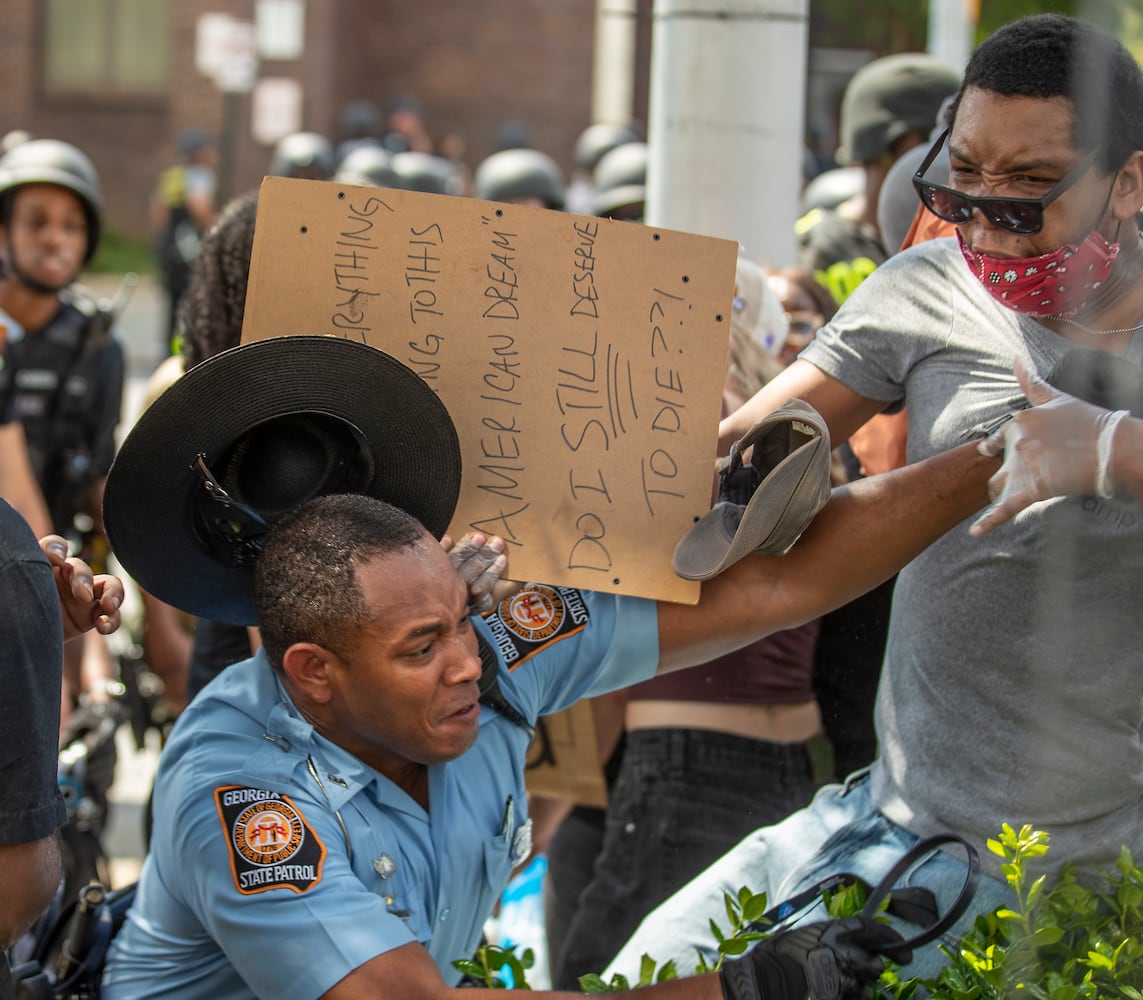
(1011, 689)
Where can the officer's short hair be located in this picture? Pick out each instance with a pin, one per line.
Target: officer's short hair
(305, 581)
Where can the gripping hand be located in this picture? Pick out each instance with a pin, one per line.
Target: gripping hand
(830, 960)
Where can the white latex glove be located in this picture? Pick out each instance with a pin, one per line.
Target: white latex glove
(1049, 450)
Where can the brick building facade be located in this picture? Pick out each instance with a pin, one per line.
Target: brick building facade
(118, 78)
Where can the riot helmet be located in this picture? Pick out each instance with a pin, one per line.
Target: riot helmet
(517, 175)
(831, 187)
(597, 140)
(426, 172)
(303, 154)
(621, 182)
(49, 161)
(367, 165)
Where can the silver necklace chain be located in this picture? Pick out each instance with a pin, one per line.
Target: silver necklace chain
(1098, 333)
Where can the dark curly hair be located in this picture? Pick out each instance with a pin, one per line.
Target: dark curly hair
(305, 580)
(210, 313)
(1053, 55)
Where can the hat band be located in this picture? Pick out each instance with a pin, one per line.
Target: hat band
(233, 532)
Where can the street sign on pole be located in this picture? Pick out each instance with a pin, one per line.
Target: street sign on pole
(226, 50)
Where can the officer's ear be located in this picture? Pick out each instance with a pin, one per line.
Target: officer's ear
(309, 667)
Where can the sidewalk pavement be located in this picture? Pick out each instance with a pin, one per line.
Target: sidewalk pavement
(141, 327)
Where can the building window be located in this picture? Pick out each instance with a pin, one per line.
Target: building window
(107, 46)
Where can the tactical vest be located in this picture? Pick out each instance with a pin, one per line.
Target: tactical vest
(58, 377)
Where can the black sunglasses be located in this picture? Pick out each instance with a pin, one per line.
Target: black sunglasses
(1022, 216)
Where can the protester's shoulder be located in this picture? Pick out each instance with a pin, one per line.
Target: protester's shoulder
(17, 541)
(917, 267)
(939, 252)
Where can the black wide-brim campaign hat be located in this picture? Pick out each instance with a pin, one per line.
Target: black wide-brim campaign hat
(252, 433)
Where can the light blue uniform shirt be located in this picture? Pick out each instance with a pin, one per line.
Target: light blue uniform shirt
(252, 887)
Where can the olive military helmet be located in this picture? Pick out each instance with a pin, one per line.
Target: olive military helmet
(49, 161)
(597, 140)
(368, 165)
(303, 154)
(620, 179)
(512, 174)
(889, 97)
(426, 172)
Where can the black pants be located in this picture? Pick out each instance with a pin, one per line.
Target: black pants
(682, 799)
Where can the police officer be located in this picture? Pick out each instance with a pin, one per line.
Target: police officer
(66, 370)
(69, 382)
(889, 106)
(182, 209)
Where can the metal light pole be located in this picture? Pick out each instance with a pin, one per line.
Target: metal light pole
(725, 126)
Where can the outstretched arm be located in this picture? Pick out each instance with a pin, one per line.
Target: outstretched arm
(17, 481)
(843, 409)
(865, 534)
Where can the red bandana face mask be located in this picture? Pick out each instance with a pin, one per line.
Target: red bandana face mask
(1053, 284)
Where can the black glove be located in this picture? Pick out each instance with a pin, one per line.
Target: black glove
(830, 960)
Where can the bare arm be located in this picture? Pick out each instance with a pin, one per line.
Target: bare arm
(29, 875)
(865, 534)
(843, 409)
(418, 979)
(17, 483)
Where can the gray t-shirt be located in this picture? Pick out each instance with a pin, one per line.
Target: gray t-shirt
(1012, 689)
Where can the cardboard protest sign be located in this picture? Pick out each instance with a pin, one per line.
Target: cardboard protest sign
(581, 359)
(563, 761)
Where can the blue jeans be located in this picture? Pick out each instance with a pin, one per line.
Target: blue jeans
(839, 831)
(681, 799)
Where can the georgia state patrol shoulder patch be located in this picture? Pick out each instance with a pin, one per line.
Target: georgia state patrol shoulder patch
(271, 844)
(533, 618)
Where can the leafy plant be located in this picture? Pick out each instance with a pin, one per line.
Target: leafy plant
(1071, 939)
(488, 964)
(1062, 941)
(743, 911)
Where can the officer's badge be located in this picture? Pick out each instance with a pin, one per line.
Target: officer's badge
(385, 866)
(271, 844)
